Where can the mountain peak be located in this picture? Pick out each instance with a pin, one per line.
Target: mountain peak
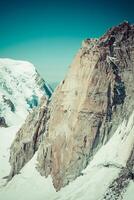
(96, 96)
(84, 135)
(19, 66)
(118, 33)
(20, 87)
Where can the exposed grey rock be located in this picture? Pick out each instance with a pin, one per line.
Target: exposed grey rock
(9, 103)
(28, 138)
(3, 122)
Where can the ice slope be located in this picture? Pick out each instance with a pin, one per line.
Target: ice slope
(21, 88)
(93, 182)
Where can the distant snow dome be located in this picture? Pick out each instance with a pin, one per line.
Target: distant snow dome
(21, 88)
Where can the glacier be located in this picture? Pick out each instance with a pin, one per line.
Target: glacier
(21, 88)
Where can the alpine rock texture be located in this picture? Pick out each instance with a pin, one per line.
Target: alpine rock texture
(88, 106)
(89, 122)
(28, 138)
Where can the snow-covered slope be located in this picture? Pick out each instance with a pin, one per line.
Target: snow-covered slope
(6, 137)
(94, 182)
(21, 88)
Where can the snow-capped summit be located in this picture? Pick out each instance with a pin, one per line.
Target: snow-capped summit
(24, 66)
(21, 88)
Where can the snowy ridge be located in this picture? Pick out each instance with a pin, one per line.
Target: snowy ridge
(24, 66)
(21, 88)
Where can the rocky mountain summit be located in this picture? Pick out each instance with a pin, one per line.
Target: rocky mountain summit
(86, 109)
(92, 106)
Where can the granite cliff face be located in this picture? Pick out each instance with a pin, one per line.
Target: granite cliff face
(87, 107)
(28, 138)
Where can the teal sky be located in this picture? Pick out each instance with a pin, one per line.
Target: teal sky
(49, 33)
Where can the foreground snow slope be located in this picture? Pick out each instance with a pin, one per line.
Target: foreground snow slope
(21, 88)
(94, 182)
(129, 194)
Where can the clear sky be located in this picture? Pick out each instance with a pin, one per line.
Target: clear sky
(49, 33)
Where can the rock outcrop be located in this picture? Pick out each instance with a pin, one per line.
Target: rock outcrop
(3, 122)
(90, 103)
(118, 187)
(28, 138)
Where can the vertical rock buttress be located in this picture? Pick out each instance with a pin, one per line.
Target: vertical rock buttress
(89, 104)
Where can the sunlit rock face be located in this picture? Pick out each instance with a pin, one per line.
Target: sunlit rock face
(87, 107)
(85, 110)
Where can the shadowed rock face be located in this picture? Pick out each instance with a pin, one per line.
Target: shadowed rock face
(87, 107)
(28, 138)
(3, 122)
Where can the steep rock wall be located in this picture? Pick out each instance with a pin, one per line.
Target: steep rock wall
(28, 138)
(89, 104)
